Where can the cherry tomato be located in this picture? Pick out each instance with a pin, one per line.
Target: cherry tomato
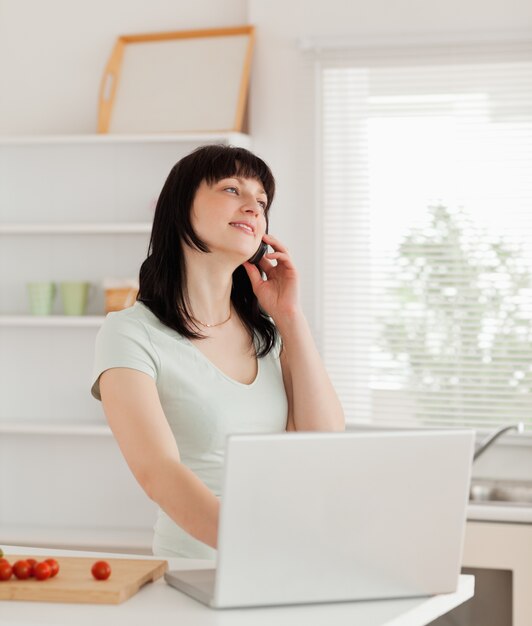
(22, 569)
(32, 563)
(6, 571)
(101, 570)
(2, 560)
(54, 566)
(42, 571)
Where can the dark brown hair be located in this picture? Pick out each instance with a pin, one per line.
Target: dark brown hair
(162, 275)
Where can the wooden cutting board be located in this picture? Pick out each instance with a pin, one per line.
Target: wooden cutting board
(75, 583)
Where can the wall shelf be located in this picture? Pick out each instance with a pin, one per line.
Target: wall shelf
(72, 207)
(56, 321)
(43, 427)
(100, 539)
(76, 229)
(239, 139)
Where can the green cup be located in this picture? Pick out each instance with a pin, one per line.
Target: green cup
(41, 297)
(74, 295)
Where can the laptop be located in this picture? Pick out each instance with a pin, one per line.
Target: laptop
(331, 517)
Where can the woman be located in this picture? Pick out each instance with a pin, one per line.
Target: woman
(211, 347)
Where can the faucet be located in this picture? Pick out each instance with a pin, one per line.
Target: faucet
(520, 427)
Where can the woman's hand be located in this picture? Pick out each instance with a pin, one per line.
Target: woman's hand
(278, 295)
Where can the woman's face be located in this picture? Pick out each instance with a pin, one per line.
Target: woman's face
(229, 216)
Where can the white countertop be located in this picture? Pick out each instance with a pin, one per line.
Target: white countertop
(159, 603)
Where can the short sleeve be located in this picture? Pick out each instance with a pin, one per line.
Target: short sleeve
(122, 342)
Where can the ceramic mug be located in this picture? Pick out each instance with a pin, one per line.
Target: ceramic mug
(41, 297)
(74, 296)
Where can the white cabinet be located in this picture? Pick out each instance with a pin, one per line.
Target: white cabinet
(71, 208)
(504, 546)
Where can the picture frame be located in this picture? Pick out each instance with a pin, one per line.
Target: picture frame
(178, 81)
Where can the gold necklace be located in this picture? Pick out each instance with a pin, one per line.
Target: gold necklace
(213, 325)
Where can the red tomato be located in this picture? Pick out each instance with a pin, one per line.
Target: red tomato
(2, 560)
(6, 571)
(54, 566)
(22, 569)
(101, 570)
(42, 571)
(32, 563)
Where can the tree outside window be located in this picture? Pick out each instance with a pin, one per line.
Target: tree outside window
(460, 328)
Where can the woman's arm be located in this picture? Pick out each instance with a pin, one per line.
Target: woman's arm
(312, 400)
(135, 415)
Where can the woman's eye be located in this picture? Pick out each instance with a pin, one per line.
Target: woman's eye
(234, 190)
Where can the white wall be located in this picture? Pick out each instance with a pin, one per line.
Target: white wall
(53, 53)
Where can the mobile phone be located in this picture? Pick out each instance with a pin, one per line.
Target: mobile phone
(263, 248)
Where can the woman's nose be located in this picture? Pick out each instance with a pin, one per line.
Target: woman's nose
(250, 205)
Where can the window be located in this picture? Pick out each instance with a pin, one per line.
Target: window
(426, 222)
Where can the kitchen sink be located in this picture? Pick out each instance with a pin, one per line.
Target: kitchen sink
(501, 492)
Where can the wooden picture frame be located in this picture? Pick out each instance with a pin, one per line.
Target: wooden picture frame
(179, 81)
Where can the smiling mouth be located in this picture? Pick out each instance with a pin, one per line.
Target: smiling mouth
(247, 229)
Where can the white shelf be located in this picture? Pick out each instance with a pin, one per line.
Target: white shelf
(239, 139)
(73, 228)
(43, 427)
(110, 225)
(113, 539)
(57, 321)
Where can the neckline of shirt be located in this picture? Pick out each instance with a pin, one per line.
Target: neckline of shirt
(233, 380)
(173, 333)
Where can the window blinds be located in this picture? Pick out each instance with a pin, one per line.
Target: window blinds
(426, 232)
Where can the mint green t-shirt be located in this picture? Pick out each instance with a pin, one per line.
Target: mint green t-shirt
(201, 403)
